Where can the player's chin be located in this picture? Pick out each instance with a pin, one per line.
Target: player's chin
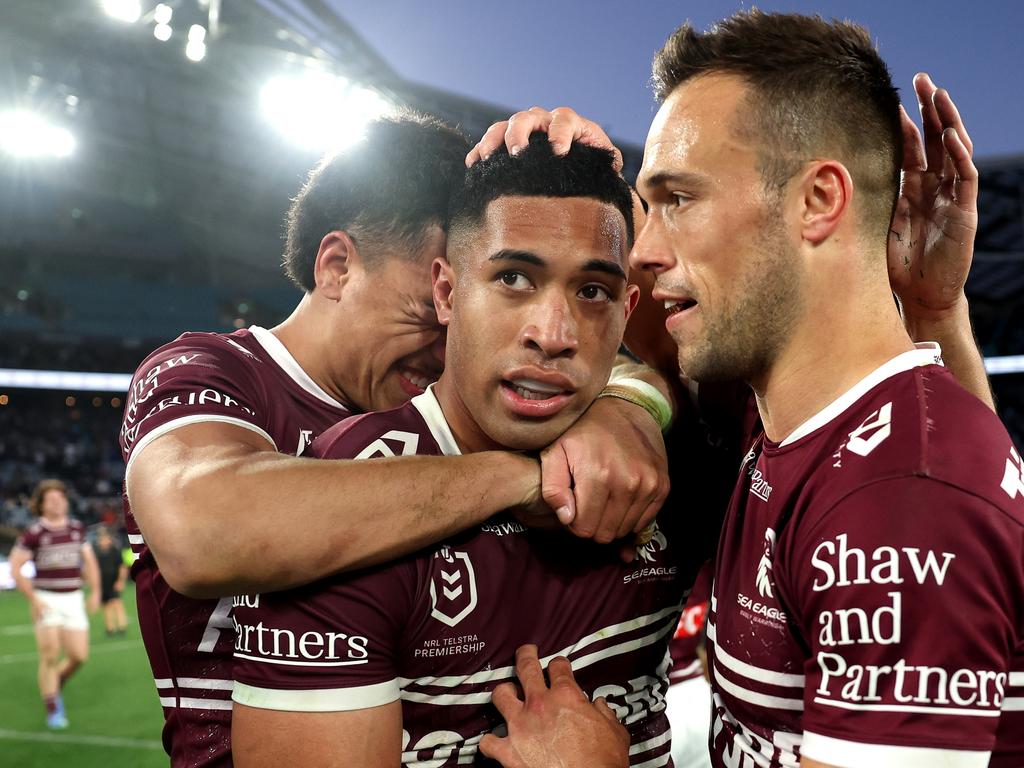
(535, 434)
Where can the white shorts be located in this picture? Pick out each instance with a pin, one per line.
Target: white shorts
(688, 706)
(63, 609)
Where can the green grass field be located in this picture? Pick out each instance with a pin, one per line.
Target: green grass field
(111, 702)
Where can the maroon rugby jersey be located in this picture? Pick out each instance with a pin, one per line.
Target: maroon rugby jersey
(439, 629)
(249, 379)
(56, 553)
(868, 593)
(686, 640)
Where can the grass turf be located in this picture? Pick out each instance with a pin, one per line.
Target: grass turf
(111, 703)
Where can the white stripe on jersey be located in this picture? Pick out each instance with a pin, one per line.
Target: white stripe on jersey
(320, 700)
(451, 681)
(908, 708)
(657, 762)
(186, 703)
(826, 749)
(164, 682)
(508, 672)
(689, 669)
(45, 583)
(1016, 679)
(168, 701)
(760, 674)
(209, 684)
(650, 744)
(1013, 704)
(136, 538)
(760, 699)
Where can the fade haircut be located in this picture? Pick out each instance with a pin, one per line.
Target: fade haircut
(816, 89)
(385, 192)
(537, 172)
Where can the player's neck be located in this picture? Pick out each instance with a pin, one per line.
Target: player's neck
(55, 521)
(467, 433)
(302, 334)
(834, 346)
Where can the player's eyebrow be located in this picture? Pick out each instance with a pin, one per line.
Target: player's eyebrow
(673, 178)
(603, 265)
(523, 257)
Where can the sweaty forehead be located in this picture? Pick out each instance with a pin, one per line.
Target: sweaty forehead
(577, 227)
(697, 125)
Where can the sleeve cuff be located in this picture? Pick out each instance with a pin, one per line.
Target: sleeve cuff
(317, 700)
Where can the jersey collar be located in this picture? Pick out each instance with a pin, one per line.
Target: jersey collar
(430, 410)
(926, 353)
(279, 354)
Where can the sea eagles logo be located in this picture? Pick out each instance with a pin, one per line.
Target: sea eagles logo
(452, 587)
(764, 567)
(872, 432)
(653, 542)
(1013, 477)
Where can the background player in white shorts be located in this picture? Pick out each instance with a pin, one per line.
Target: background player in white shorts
(62, 557)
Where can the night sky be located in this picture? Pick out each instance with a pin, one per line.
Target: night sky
(595, 56)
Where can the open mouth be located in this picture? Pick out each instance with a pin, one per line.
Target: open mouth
(529, 389)
(415, 381)
(675, 306)
(530, 397)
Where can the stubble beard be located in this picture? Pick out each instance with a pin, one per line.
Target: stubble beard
(742, 342)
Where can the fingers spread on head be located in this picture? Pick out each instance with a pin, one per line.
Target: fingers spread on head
(913, 150)
(949, 116)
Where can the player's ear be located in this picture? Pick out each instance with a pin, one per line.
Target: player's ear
(335, 261)
(632, 298)
(823, 196)
(442, 279)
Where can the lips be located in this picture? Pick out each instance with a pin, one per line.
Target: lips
(414, 381)
(679, 305)
(536, 393)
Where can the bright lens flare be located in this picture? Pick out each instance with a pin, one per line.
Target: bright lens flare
(123, 10)
(321, 112)
(25, 134)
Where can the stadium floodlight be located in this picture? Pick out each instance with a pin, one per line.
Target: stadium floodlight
(26, 134)
(195, 50)
(320, 111)
(123, 10)
(197, 33)
(162, 32)
(162, 13)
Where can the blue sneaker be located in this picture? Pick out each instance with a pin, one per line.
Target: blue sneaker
(56, 721)
(60, 706)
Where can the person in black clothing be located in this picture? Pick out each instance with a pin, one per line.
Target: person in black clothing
(113, 575)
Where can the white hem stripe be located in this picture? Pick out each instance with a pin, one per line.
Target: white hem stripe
(760, 699)
(826, 749)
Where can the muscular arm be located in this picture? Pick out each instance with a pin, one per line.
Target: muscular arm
(91, 575)
(267, 738)
(213, 501)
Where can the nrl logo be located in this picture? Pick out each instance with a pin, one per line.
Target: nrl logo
(764, 567)
(651, 542)
(455, 579)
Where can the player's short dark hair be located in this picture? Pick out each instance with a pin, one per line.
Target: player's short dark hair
(816, 88)
(35, 503)
(385, 192)
(537, 172)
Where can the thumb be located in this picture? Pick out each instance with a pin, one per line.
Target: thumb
(556, 484)
(606, 712)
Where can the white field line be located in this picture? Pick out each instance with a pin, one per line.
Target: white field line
(87, 741)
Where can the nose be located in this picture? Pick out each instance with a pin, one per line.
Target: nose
(650, 249)
(552, 327)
